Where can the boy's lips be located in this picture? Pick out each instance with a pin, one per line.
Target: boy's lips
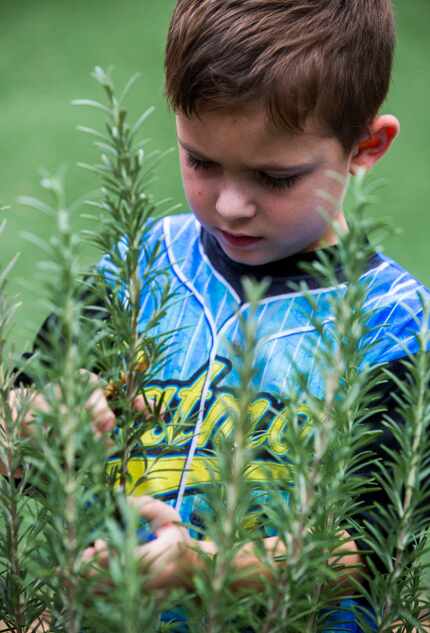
(239, 240)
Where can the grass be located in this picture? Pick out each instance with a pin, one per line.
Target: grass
(49, 50)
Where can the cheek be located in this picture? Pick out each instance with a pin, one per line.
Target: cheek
(321, 196)
(198, 193)
(330, 190)
(295, 213)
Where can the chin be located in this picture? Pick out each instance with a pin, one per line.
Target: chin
(250, 258)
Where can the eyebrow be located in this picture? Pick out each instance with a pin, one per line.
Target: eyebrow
(303, 168)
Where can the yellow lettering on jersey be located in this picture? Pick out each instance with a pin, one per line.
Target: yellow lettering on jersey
(276, 432)
(190, 398)
(256, 413)
(163, 475)
(217, 412)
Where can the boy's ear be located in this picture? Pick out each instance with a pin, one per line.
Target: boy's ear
(382, 132)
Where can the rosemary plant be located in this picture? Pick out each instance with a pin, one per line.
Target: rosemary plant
(22, 595)
(326, 461)
(129, 353)
(68, 461)
(230, 496)
(400, 597)
(72, 466)
(313, 502)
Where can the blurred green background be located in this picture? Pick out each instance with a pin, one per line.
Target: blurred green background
(48, 51)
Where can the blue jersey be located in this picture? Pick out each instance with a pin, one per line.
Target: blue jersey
(198, 376)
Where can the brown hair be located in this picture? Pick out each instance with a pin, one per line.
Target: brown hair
(327, 58)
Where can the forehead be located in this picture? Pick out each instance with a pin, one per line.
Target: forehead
(245, 135)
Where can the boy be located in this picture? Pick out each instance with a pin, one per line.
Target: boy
(269, 96)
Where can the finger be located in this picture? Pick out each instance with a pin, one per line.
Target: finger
(103, 416)
(101, 548)
(88, 554)
(18, 400)
(140, 405)
(23, 403)
(164, 560)
(148, 406)
(39, 403)
(159, 514)
(97, 404)
(98, 554)
(95, 560)
(93, 379)
(167, 579)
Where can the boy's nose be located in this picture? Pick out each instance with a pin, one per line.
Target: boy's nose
(234, 204)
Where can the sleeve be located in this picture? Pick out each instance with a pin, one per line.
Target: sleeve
(94, 308)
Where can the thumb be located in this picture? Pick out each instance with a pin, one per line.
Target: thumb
(159, 514)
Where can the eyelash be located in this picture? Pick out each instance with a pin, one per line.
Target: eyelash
(268, 181)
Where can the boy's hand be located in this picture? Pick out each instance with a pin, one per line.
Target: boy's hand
(103, 418)
(169, 560)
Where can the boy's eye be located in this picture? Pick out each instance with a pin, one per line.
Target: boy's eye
(198, 163)
(271, 182)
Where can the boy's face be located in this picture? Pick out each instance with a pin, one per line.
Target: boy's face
(257, 190)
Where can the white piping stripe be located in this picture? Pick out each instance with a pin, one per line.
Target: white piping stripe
(375, 271)
(216, 274)
(193, 447)
(185, 257)
(230, 320)
(297, 348)
(393, 292)
(315, 353)
(380, 297)
(398, 303)
(207, 284)
(189, 285)
(299, 330)
(394, 284)
(143, 306)
(197, 330)
(261, 316)
(406, 284)
(390, 314)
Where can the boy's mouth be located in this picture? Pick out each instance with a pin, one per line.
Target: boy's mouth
(239, 240)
